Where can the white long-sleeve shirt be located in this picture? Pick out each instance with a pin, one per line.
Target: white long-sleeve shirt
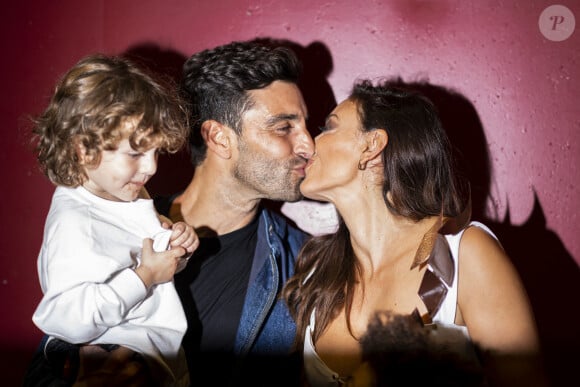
(91, 293)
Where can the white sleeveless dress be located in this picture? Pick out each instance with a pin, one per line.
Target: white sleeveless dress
(319, 375)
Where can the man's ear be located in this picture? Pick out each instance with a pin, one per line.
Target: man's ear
(217, 136)
(376, 141)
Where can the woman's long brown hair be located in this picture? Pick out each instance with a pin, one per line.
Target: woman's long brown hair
(418, 175)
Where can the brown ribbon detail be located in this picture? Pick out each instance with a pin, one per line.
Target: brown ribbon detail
(434, 250)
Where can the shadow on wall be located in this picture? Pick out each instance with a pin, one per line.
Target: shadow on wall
(549, 273)
(552, 278)
(173, 171)
(317, 66)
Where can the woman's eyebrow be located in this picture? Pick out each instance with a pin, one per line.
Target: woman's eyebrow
(331, 116)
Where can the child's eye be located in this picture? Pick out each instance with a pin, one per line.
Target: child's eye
(135, 155)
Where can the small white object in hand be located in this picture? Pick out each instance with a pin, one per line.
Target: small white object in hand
(161, 240)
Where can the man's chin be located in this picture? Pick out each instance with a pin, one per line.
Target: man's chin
(287, 196)
(295, 198)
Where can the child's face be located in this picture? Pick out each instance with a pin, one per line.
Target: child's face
(122, 173)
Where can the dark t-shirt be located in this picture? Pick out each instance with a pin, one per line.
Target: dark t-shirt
(212, 289)
(217, 278)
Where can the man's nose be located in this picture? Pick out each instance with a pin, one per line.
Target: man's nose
(304, 146)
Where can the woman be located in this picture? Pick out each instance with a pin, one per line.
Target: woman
(383, 160)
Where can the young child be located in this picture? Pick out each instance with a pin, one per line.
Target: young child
(105, 281)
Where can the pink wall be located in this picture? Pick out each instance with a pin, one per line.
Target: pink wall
(514, 115)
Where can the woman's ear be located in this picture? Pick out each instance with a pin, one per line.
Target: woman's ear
(376, 141)
(217, 137)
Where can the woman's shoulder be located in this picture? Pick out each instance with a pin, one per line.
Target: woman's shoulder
(477, 236)
(474, 233)
(480, 227)
(482, 257)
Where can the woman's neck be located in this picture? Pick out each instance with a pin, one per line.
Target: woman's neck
(379, 237)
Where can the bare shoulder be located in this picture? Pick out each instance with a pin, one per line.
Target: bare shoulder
(483, 264)
(492, 300)
(478, 246)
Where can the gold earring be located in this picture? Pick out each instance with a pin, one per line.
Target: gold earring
(362, 166)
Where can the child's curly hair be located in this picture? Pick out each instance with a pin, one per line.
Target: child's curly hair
(401, 351)
(90, 108)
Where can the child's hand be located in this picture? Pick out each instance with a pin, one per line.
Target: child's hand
(158, 267)
(165, 221)
(183, 235)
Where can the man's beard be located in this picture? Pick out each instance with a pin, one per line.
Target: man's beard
(272, 179)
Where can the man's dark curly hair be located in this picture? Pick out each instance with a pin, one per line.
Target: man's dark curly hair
(216, 82)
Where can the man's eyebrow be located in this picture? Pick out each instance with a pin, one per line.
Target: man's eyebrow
(282, 117)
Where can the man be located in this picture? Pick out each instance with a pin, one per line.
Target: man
(249, 142)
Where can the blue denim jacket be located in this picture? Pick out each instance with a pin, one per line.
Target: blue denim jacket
(266, 327)
(267, 331)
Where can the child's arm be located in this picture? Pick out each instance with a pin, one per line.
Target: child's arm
(88, 288)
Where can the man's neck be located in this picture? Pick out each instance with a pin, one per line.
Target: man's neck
(213, 206)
